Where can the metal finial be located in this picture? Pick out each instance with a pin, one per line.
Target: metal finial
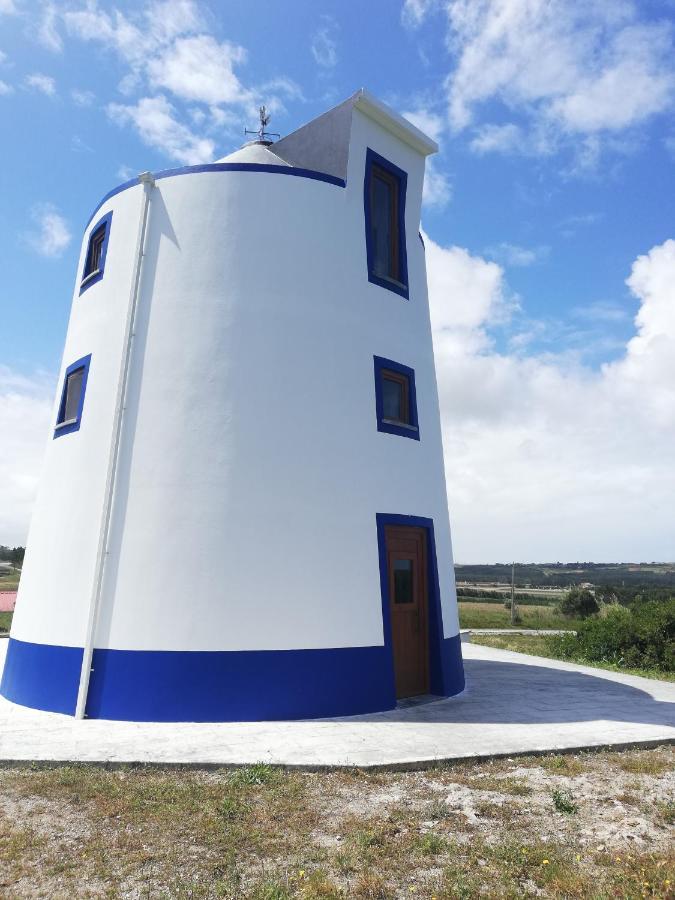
(263, 136)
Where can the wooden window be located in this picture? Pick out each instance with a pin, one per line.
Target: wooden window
(71, 400)
(69, 414)
(95, 252)
(384, 192)
(395, 397)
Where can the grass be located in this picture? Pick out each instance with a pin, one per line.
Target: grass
(541, 645)
(9, 582)
(5, 621)
(490, 615)
(260, 833)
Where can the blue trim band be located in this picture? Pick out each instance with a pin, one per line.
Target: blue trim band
(446, 669)
(212, 686)
(224, 167)
(42, 676)
(106, 222)
(383, 424)
(373, 158)
(60, 430)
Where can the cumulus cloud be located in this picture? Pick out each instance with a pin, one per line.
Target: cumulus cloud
(545, 456)
(200, 68)
(25, 418)
(43, 83)
(155, 120)
(324, 43)
(82, 98)
(48, 32)
(516, 256)
(51, 234)
(180, 75)
(558, 74)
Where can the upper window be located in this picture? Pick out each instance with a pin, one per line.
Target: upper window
(94, 261)
(69, 415)
(384, 201)
(395, 398)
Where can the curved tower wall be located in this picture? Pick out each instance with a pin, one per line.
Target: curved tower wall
(243, 572)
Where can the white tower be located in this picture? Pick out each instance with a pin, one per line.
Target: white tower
(242, 513)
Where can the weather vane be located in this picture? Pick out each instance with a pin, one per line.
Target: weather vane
(263, 136)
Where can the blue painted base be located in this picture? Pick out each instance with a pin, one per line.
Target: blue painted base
(205, 686)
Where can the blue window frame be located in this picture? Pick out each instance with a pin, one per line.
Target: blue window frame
(395, 398)
(97, 249)
(384, 192)
(69, 415)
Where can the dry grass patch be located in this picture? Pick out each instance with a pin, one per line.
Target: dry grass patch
(484, 829)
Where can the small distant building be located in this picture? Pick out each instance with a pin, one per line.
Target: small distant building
(248, 384)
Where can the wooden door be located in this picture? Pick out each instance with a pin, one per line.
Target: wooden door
(409, 608)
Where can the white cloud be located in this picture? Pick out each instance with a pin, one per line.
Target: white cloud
(7, 8)
(51, 235)
(546, 457)
(5, 88)
(25, 418)
(43, 83)
(48, 32)
(516, 256)
(172, 59)
(82, 98)
(569, 70)
(324, 43)
(437, 188)
(415, 11)
(427, 122)
(497, 139)
(157, 125)
(201, 69)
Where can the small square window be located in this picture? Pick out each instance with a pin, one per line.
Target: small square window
(69, 415)
(94, 261)
(384, 201)
(395, 398)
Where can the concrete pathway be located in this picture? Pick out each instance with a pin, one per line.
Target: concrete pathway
(535, 631)
(513, 704)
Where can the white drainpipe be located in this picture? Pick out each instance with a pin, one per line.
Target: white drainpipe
(148, 182)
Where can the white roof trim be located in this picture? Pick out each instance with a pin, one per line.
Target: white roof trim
(397, 125)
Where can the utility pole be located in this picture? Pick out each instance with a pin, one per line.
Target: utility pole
(513, 594)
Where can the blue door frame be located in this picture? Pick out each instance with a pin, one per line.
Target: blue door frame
(446, 671)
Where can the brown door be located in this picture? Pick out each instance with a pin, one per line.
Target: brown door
(408, 604)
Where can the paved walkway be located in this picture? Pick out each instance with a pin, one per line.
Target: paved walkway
(536, 631)
(513, 704)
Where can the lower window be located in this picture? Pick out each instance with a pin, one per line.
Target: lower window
(69, 415)
(395, 398)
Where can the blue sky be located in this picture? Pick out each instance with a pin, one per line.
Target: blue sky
(554, 181)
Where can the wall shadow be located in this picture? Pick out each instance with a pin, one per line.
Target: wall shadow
(500, 692)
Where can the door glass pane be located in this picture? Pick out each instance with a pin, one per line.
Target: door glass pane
(73, 392)
(381, 217)
(403, 581)
(392, 400)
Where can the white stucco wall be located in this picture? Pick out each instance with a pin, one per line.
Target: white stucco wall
(251, 468)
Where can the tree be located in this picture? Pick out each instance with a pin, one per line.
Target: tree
(580, 603)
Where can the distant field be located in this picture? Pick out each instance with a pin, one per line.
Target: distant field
(473, 614)
(9, 582)
(540, 645)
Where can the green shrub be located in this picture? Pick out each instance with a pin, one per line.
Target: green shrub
(579, 603)
(641, 635)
